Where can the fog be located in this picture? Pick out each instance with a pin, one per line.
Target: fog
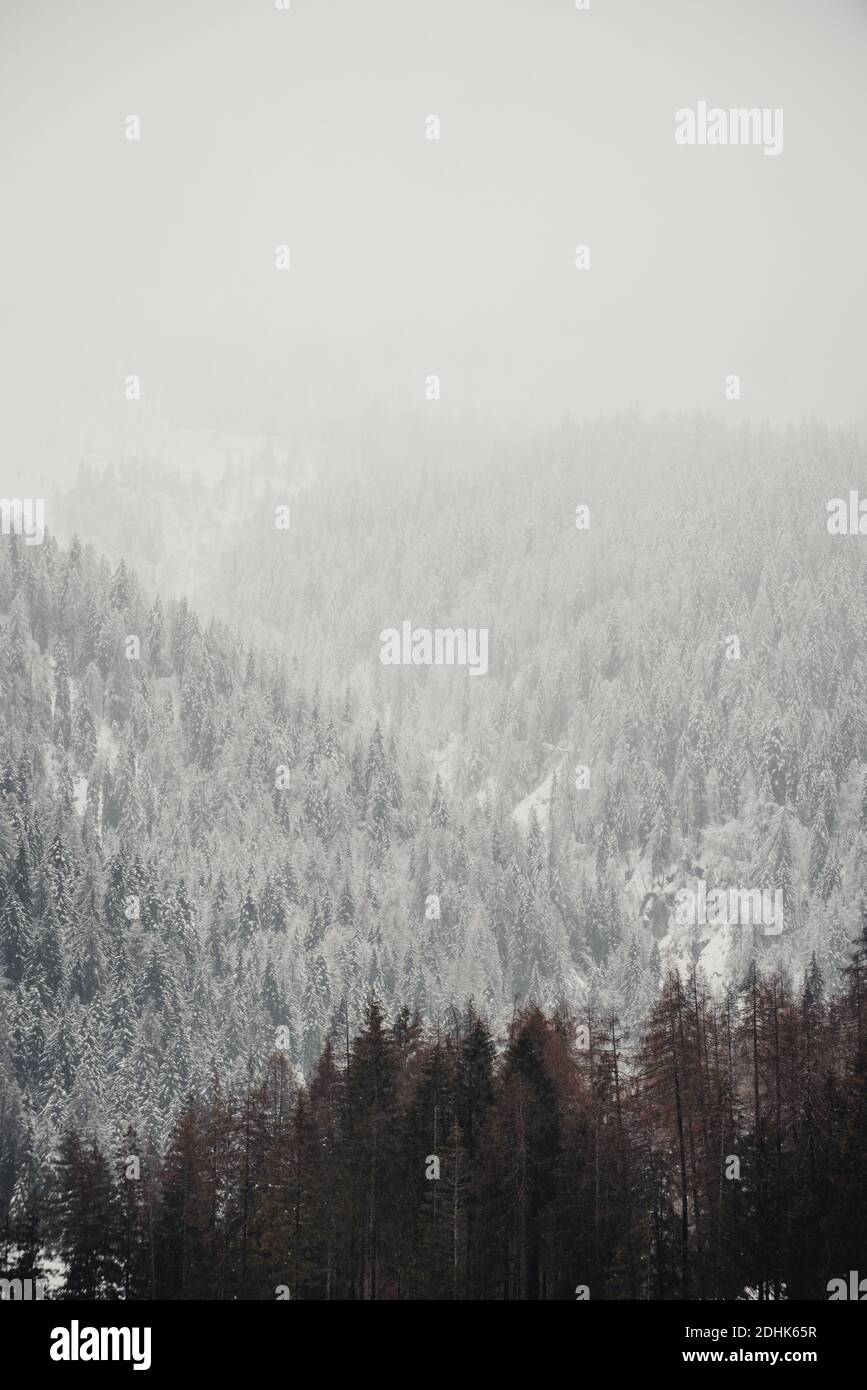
(411, 256)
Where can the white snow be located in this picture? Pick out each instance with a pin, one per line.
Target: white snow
(106, 743)
(539, 801)
(714, 958)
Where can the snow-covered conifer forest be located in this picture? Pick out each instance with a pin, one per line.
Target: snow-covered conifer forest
(433, 650)
(218, 851)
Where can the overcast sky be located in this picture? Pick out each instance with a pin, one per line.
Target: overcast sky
(411, 256)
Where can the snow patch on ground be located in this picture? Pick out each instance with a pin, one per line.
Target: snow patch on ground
(714, 958)
(709, 947)
(576, 986)
(538, 801)
(106, 743)
(447, 761)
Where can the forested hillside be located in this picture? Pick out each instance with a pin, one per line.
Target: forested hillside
(206, 839)
(723, 1161)
(698, 647)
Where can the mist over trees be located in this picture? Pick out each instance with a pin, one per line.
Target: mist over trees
(207, 837)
